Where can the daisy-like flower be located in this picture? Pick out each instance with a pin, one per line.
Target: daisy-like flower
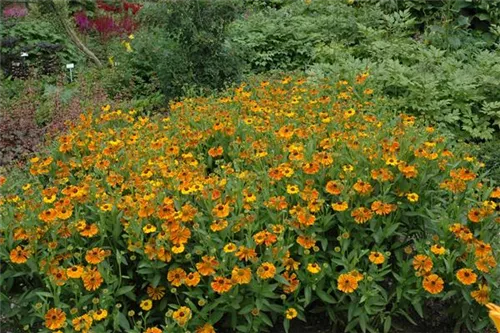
(291, 313)
(55, 319)
(313, 268)
(376, 258)
(466, 276)
(433, 283)
(347, 283)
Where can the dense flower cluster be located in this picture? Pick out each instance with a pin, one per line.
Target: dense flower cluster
(250, 207)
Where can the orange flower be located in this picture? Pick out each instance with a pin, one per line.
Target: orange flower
(475, 215)
(207, 266)
(216, 151)
(361, 215)
(89, 230)
(347, 283)
(362, 187)
(65, 212)
(496, 193)
(484, 264)
(192, 279)
(221, 285)
(221, 210)
(48, 215)
(54, 319)
(218, 225)
(482, 249)
(153, 330)
(82, 323)
(433, 284)
(293, 282)
(466, 276)
(207, 328)
(59, 275)
(306, 242)
(96, 255)
(92, 279)
(19, 255)
(482, 295)
(176, 276)
(381, 208)
(376, 258)
(422, 263)
(75, 272)
(306, 218)
(241, 275)
(310, 168)
(437, 249)
(245, 253)
(266, 271)
(340, 206)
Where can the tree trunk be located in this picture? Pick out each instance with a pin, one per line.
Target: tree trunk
(61, 15)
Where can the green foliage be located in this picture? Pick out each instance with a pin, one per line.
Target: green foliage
(78, 5)
(286, 38)
(190, 47)
(48, 48)
(474, 14)
(267, 3)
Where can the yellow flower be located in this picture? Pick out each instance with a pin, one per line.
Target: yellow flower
(412, 197)
(146, 305)
(290, 313)
(230, 247)
(149, 228)
(292, 189)
(182, 315)
(127, 46)
(494, 314)
(313, 268)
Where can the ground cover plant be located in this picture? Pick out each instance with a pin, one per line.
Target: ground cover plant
(246, 210)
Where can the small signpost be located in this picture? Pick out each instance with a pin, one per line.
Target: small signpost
(70, 67)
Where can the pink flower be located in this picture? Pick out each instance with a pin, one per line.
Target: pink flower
(15, 10)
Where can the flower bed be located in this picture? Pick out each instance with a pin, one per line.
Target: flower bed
(245, 209)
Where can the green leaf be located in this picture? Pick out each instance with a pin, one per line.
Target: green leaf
(124, 290)
(325, 297)
(418, 308)
(387, 324)
(286, 325)
(265, 318)
(122, 321)
(307, 295)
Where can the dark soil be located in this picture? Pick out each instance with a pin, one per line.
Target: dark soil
(436, 321)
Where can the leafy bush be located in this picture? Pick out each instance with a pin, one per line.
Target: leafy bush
(247, 208)
(285, 39)
(479, 14)
(190, 44)
(47, 49)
